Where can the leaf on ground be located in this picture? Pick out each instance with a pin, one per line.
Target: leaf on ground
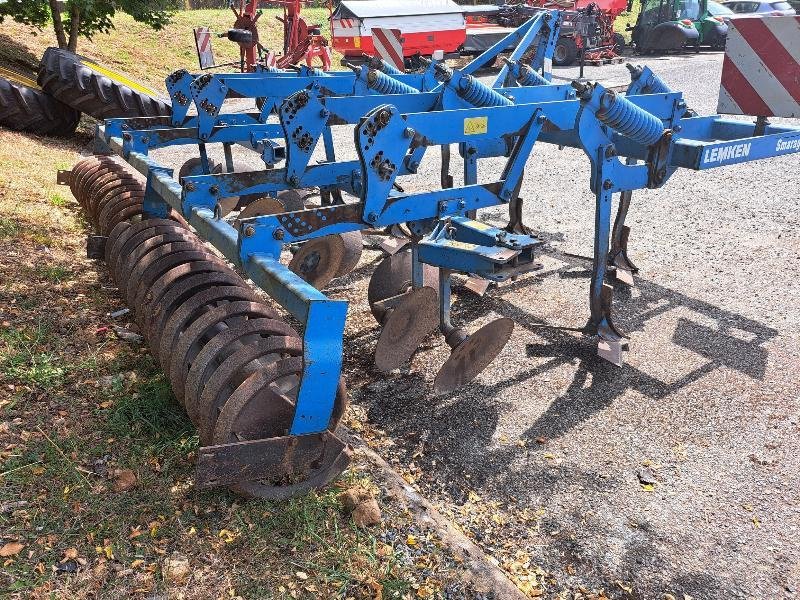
(71, 553)
(11, 548)
(124, 480)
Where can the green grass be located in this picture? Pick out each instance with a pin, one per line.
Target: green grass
(8, 228)
(628, 18)
(26, 359)
(58, 200)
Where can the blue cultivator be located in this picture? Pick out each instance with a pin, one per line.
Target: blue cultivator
(267, 402)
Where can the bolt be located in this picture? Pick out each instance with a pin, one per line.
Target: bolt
(293, 181)
(324, 113)
(127, 137)
(461, 204)
(472, 150)
(611, 151)
(372, 217)
(541, 119)
(442, 206)
(190, 187)
(249, 231)
(278, 234)
(146, 140)
(677, 128)
(214, 189)
(608, 184)
(409, 132)
(383, 117)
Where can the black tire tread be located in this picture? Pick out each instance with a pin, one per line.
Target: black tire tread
(64, 76)
(24, 108)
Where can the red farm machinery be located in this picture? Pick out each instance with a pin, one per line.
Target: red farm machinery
(302, 41)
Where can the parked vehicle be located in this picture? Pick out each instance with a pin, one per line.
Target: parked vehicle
(759, 8)
(665, 25)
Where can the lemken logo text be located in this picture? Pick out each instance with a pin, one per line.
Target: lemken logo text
(722, 153)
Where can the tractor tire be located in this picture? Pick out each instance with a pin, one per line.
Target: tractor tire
(89, 88)
(565, 53)
(619, 43)
(25, 107)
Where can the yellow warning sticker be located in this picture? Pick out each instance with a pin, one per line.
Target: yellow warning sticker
(120, 78)
(476, 125)
(357, 42)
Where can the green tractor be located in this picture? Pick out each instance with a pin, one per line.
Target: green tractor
(665, 25)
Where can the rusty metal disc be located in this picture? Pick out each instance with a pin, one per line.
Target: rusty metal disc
(318, 260)
(159, 313)
(256, 410)
(473, 355)
(191, 309)
(77, 172)
(81, 179)
(92, 180)
(139, 244)
(353, 244)
(161, 266)
(163, 245)
(292, 200)
(129, 213)
(117, 239)
(202, 330)
(260, 207)
(194, 166)
(173, 278)
(220, 347)
(108, 184)
(392, 277)
(411, 320)
(233, 371)
(117, 208)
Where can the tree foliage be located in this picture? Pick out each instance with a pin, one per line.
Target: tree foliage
(71, 19)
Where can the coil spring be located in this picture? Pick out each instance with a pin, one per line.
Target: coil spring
(378, 63)
(480, 95)
(624, 116)
(529, 77)
(655, 85)
(383, 84)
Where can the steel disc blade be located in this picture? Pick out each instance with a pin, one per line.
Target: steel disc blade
(119, 208)
(473, 355)
(260, 207)
(202, 330)
(108, 184)
(256, 411)
(122, 234)
(157, 317)
(173, 278)
(125, 245)
(318, 260)
(168, 260)
(235, 369)
(194, 166)
(220, 347)
(132, 278)
(392, 277)
(353, 246)
(408, 324)
(77, 173)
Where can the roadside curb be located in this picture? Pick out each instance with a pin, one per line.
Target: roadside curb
(482, 573)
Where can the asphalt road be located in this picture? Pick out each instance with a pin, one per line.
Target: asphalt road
(706, 407)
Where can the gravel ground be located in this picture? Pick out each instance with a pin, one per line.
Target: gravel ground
(675, 474)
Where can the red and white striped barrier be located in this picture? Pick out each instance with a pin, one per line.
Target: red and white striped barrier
(388, 44)
(205, 54)
(761, 71)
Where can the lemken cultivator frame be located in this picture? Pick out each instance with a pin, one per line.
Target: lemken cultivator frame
(267, 399)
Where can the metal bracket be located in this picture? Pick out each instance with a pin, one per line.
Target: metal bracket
(64, 177)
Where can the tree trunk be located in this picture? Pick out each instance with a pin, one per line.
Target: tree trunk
(58, 24)
(74, 27)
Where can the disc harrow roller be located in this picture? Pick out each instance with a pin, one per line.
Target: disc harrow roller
(230, 360)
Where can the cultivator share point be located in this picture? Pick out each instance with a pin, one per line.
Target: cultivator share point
(267, 399)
